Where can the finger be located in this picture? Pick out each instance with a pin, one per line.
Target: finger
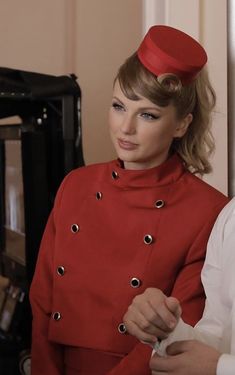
(174, 306)
(159, 314)
(158, 319)
(138, 325)
(143, 314)
(151, 314)
(141, 335)
(160, 364)
(150, 327)
(135, 315)
(165, 319)
(179, 347)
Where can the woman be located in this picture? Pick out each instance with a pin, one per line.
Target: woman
(209, 347)
(142, 220)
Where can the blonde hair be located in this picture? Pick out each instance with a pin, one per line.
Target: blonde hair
(197, 98)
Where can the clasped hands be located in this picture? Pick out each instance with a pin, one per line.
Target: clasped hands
(152, 316)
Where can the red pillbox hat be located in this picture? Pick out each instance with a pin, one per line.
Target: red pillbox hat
(165, 49)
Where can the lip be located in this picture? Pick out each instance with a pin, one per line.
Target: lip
(126, 145)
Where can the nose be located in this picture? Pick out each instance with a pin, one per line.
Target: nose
(128, 125)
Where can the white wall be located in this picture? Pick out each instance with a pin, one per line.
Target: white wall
(33, 35)
(107, 32)
(231, 94)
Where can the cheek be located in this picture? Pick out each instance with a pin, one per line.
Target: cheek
(113, 122)
(161, 137)
(110, 121)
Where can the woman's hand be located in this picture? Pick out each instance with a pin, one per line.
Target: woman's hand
(186, 357)
(152, 315)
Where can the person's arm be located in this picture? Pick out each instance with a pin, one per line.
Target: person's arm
(188, 288)
(46, 357)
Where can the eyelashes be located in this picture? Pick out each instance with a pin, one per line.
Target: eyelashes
(117, 106)
(149, 116)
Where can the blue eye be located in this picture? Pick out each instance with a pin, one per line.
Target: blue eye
(117, 106)
(149, 116)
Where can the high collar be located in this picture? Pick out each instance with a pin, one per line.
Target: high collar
(166, 173)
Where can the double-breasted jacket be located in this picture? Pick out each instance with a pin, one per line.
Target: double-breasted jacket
(111, 234)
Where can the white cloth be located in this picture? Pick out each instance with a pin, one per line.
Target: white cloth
(217, 326)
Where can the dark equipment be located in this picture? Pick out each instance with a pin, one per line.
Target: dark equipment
(40, 142)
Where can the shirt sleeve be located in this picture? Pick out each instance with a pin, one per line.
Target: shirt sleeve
(226, 365)
(184, 331)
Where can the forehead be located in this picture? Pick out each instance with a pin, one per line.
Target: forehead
(119, 94)
(139, 102)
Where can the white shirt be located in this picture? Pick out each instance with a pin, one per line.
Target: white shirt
(217, 325)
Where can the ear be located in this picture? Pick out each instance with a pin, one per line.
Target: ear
(183, 125)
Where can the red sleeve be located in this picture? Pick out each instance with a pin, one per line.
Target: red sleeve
(188, 286)
(46, 357)
(135, 363)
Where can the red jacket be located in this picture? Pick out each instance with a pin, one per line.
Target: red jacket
(112, 234)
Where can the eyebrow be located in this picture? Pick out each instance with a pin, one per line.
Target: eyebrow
(116, 98)
(155, 108)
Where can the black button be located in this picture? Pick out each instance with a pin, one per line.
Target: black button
(159, 203)
(61, 270)
(135, 283)
(99, 195)
(114, 175)
(122, 328)
(56, 315)
(148, 239)
(75, 228)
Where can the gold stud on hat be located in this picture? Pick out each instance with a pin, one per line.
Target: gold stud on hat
(165, 49)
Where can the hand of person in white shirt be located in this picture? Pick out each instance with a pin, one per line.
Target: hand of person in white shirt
(186, 357)
(152, 316)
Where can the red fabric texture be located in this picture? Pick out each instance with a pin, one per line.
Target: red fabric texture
(168, 50)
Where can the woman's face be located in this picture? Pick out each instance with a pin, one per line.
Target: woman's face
(141, 131)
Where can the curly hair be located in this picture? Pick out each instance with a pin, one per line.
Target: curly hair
(197, 98)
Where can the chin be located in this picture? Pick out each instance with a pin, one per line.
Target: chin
(125, 157)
